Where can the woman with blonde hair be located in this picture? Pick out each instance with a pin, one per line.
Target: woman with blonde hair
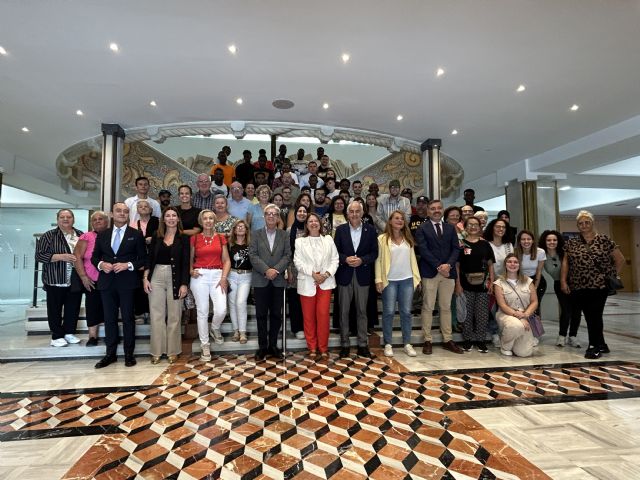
(397, 277)
(210, 266)
(517, 301)
(590, 260)
(165, 280)
(239, 279)
(316, 260)
(255, 214)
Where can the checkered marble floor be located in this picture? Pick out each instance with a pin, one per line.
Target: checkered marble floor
(338, 418)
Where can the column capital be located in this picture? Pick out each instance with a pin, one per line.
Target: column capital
(113, 129)
(431, 143)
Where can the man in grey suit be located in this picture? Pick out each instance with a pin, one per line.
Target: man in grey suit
(270, 254)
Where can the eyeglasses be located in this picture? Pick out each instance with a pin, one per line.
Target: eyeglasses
(236, 189)
(499, 227)
(270, 214)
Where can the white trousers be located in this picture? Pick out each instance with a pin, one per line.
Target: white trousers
(513, 335)
(206, 287)
(240, 284)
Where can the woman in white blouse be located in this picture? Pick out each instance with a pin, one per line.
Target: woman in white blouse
(532, 260)
(316, 259)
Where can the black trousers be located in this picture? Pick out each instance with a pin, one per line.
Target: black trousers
(590, 301)
(542, 288)
(269, 302)
(295, 310)
(117, 299)
(63, 308)
(569, 320)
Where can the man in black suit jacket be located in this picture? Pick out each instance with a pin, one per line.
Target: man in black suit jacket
(119, 252)
(354, 274)
(439, 248)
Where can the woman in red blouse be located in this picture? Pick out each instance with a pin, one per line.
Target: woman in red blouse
(210, 265)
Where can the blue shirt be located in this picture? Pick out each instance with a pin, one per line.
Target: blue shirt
(257, 216)
(238, 209)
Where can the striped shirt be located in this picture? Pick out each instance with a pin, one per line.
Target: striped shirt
(51, 243)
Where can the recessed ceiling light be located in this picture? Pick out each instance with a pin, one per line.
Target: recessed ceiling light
(153, 103)
(79, 113)
(25, 129)
(346, 57)
(574, 107)
(638, 206)
(2, 51)
(565, 188)
(114, 47)
(399, 118)
(325, 105)
(239, 101)
(283, 104)
(232, 49)
(521, 88)
(440, 72)
(454, 132)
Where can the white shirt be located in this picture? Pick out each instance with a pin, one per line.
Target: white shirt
(399, 262)
(356, 234)
(131, 203)
(528, 267)
(271, 237)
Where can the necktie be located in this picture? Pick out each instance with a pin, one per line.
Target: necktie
(439, 230)
(116, 241)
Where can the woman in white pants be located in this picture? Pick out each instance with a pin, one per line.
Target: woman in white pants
(239, 279)
(210, 267)
(517, 301)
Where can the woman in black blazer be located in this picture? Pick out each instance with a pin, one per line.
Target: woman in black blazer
(166, 278)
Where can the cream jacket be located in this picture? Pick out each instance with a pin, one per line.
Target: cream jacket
(383, 263)
(325, 259)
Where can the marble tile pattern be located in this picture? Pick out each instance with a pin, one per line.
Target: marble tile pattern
(234, 418)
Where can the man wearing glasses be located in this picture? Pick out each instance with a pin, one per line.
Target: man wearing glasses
(203, 199)
(238, 205)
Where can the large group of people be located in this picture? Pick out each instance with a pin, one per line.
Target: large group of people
(310, 238)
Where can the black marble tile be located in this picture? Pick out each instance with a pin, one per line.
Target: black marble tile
(58, 432)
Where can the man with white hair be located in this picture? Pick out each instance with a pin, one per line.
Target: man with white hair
(238, 205)
(203, 199)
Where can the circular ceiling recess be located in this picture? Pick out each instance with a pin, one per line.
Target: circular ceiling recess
(283, 104)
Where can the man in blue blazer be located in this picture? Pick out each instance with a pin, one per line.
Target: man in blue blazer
(357, 245)
(439, 248)
(118, 254)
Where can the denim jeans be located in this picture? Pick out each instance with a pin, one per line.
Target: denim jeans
(402, 292)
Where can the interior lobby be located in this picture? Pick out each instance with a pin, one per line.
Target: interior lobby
(533, 105)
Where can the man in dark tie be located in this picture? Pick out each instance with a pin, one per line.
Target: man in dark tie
(438, 245)
(118, 254)
(270, 254)
(357, 245)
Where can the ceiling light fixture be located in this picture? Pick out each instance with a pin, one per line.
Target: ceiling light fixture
(153, 103)
(25, 129)
(399, 118)
(346, 57)
(114, 47)
(325, 106)
(574, 107)
(521, 88)
(454, 132)
(638, 206)
(239, 101)
(2, 51)
(79, 113)
(232, 49)
(439, 72)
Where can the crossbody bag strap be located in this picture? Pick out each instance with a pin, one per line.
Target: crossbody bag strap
(517, 295)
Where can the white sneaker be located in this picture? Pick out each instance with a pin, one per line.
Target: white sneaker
(205, 356)
(59, 342)
(217, 337)
(300, 335)
(408, 349)
(71, 338)
(561, 341)
(495, 339)
(574, 342)
(388, 350)
(507, 353)
(536, 341)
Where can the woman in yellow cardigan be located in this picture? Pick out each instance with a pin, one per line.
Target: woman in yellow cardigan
(397, 276)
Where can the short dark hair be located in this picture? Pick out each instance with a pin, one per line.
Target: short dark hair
(185, 186)
(469, 190)
(244, 152)
(139, 179)
(320, 189)
(356, 181)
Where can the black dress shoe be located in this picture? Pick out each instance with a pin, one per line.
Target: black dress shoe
(106, 361)
(129, 361)
(276, 353)
(604, 348)
(345, 352)
(261, 354)
(364, 352)
(92, 342)
(593, 353)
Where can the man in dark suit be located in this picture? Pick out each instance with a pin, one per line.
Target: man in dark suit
(118, 254)
(439, 248)
(270, 254)
(357, 246)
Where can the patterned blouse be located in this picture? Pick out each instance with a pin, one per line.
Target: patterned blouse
(589, 264)
(225, 226)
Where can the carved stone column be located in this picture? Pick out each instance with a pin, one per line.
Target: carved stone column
(431, 166)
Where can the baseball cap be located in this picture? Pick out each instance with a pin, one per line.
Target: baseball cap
(422, 199)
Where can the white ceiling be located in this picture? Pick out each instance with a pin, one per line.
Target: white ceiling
(565, 52)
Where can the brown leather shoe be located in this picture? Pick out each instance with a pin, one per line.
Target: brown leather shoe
(452, 347)
(427, 349)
